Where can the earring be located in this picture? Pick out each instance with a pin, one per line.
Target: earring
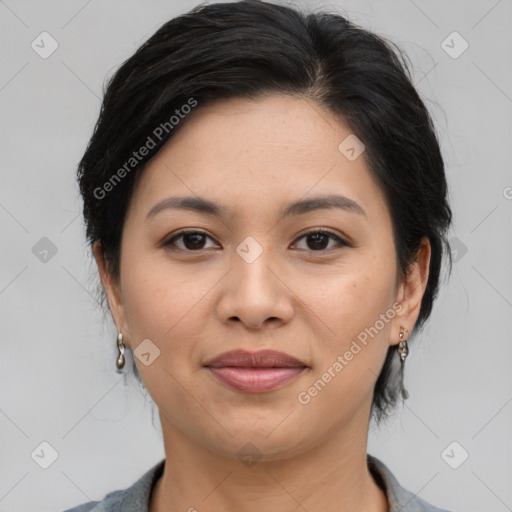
(120, 348)
(403, 351)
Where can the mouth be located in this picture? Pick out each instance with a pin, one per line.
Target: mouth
(255, 372)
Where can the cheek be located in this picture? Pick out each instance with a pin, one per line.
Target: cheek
(152, 304)
(355, 295)
(164, 306)
(349, 354)
(157, 295)
(355, 311)
(171, 306)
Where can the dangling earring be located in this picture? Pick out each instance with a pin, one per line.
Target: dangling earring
(120, 348)
(403, 350)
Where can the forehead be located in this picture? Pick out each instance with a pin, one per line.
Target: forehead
(256, 152)
(275, 125)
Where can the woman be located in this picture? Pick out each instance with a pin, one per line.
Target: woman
(266, 202)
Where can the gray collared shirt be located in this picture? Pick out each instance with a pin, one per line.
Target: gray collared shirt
(136, 497)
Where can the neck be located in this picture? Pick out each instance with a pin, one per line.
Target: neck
(330, 476)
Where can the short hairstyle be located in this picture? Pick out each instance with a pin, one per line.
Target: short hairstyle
(248, 49)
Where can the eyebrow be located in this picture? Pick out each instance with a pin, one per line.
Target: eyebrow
(201, 205)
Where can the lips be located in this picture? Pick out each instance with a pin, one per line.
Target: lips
(255, 372)
(261, 359)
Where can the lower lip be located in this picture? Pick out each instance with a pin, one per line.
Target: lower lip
(255, 380)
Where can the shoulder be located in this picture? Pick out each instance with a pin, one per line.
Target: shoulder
(132, 499)
(400, 499)
(109, 503)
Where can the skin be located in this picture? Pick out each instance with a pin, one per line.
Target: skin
(202, 299)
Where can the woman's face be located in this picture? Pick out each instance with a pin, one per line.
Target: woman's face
(252, 279)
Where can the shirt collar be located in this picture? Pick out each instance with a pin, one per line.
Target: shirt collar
(399, 498)
(136, 498)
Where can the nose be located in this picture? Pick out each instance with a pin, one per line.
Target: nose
(256, 293)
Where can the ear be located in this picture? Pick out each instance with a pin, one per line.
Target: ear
(112, 290)
(410, 292)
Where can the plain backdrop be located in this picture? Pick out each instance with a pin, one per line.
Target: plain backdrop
(59, 386)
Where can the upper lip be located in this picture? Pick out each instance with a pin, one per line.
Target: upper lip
(260, 359)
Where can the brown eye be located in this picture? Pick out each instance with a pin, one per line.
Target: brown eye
(190, 241)
(194, 241)
(319, 240)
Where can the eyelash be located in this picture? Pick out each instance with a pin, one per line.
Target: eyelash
(170, 242)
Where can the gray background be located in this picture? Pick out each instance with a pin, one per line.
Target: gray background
(59, 384)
